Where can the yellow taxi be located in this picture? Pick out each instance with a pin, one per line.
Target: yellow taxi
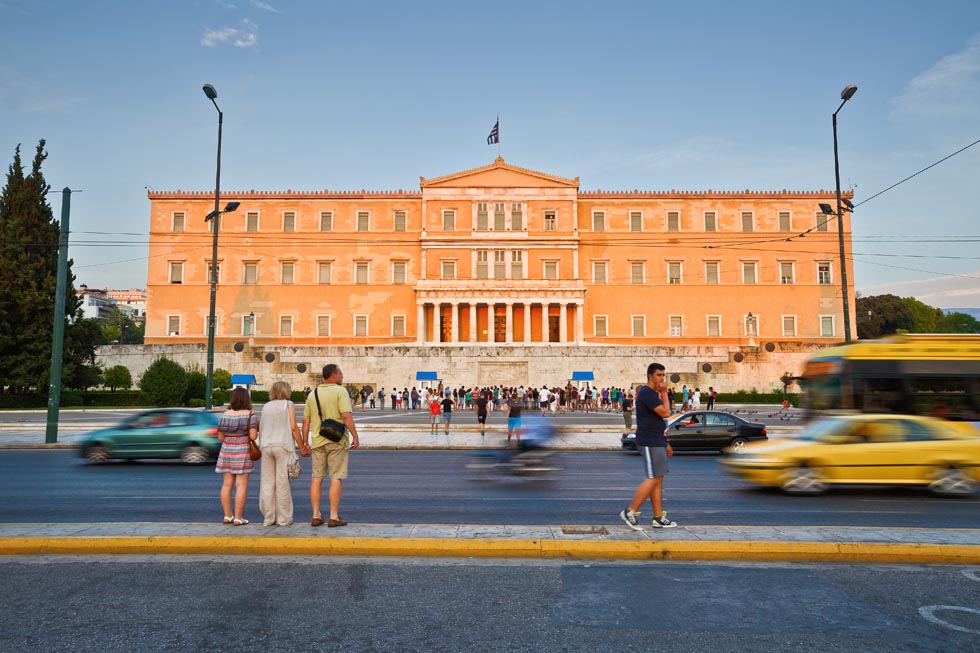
(866, 450)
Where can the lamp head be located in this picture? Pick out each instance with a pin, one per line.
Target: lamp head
(848, 203)
(847, 93)
(231, 206)
(211, 216)
(210, 92)
(826, 209)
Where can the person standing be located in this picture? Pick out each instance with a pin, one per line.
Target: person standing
(447, 410)
(381, 398)
(628, 412)
(670, 397)
(481, 411)
(514, 408)
(696, 399)
(279, 437)
(655, 449)
(332, 400)
(544, 397)
(685, 395)
(711, 398)
(434, 414)
(236, 427)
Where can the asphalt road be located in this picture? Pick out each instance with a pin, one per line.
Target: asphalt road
(304, 604)
(431, 487)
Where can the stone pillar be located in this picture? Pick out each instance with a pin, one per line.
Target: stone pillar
(562, 323)
(454, 328)
(527, 323)
(509, 337)
(472, 321)
(420, 325)
(579, 322)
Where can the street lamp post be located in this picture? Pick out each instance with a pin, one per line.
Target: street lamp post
(209, 384)
(845, 95)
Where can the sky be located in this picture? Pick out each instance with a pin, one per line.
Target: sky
(630, 95)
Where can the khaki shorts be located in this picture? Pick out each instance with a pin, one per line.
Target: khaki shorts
(332, 456)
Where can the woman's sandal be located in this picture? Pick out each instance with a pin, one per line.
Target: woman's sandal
(240, 522)
(229, 520)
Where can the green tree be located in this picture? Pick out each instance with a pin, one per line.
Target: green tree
(957, 322)
(111, 333)
(164, 382)
(221, 379)
(882, 315)
(127, 331)
(28, 267)
(925, 316)
(196, 383)
(117, 376)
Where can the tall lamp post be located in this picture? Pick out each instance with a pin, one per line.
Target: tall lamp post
(845, 95)
(209, 384)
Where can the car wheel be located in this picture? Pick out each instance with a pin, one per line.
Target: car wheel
(803, 480)
(194, 454)
(951, 481)
(737, 444)
(97, 454)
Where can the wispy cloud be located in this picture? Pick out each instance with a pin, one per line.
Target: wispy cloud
(942, 292)
(265, 6)
(950, 87)
(226, 5)
(244, 36)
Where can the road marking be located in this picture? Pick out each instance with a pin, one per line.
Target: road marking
(972, 575)
(928, 613)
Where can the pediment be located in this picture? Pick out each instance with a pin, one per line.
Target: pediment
(498, 174)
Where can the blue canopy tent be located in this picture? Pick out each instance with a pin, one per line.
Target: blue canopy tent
(582, 377)
(427, 379)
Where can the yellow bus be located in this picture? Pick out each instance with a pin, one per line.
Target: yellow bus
(927, 374)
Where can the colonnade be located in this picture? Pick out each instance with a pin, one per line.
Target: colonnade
(500, 321)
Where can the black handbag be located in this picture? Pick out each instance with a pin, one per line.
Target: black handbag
(330, 429)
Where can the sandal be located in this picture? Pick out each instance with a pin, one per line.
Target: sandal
(229, 519)
(240, 522)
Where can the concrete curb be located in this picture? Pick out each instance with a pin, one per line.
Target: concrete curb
(732, 550)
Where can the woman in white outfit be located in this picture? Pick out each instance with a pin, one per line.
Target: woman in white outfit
(278, 438)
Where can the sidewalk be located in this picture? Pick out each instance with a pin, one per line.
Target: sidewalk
(735, 543)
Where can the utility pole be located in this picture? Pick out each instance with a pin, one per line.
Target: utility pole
(58, 333)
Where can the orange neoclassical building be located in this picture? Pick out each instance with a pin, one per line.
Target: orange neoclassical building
(498, 254)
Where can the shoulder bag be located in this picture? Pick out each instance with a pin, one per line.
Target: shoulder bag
(254, 452)
(330, 429)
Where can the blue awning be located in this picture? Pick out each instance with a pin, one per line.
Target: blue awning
(583, 376)
(243, 379)
(426, 376)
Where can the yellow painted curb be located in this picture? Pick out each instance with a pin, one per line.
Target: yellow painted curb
(499, 548)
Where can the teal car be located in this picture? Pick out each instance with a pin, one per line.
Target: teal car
(191, 435)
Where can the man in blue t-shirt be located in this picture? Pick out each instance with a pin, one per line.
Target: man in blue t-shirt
(651, 441)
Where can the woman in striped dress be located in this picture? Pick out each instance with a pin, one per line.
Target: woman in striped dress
(237, 426)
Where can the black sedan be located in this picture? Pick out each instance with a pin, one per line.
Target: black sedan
(706, 430)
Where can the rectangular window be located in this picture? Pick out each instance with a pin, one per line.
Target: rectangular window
(599, 326)
(550, 221)
(748, 221)
(637, 272)
(598, 221)
(516, 217)
(785, 221)
(673, 221)
(361, 272)
(482, 264)
(639, 326)
(499, 264)
(482, 217)
(551, 269)
(363, 221)
(218, 270)
(449, 269)
(449, 220)
(822, 220)
(714, 326)
(176, 272)
(398, 272)
(748, 273)
(826, 326)
(326, 221)
(251, 273)
(178, 222)
(289, 221)
(287, 272)
(636, 221)
(498, 216)
(173, 325)
(598, 272)
(248, 325)
(674, 273)
(398, 325)
(710, 221)
(324, 272)
(786, 273)
(360, 326)
(517, 264)
(824, 276)
(676, 326)
(285, 325)
(252, 221)
(323, 325)
(401, 219)
(789, 326)
(711, 274)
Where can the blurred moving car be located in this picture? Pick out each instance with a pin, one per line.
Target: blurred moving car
(867, 450)
(706, 430)
(191, 435)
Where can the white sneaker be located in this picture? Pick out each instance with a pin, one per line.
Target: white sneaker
(629, 517)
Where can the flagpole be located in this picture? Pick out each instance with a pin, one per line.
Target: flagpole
(498, 135)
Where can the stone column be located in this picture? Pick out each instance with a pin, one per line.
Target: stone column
(472, 321)
(562, 323)
(579, 322)
(454, 328)
(420, 325)
(509, 337)
(527, 323)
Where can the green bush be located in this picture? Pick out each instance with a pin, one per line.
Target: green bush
(23, 401)
(165, 382)
(752, 397)
(194, 402)
(71, 398)
(221, 379)
(260, 396)
(297, 397)
(106, 398)
(117, 377)
(197, 381)
(220, 397)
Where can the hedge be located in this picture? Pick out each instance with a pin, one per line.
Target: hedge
(751, 397)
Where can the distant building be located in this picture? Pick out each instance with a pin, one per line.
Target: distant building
(96, 302)
(132, 302)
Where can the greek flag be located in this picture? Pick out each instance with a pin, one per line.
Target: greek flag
(494, 136)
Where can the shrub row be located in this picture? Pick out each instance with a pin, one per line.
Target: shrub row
(752, 397)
